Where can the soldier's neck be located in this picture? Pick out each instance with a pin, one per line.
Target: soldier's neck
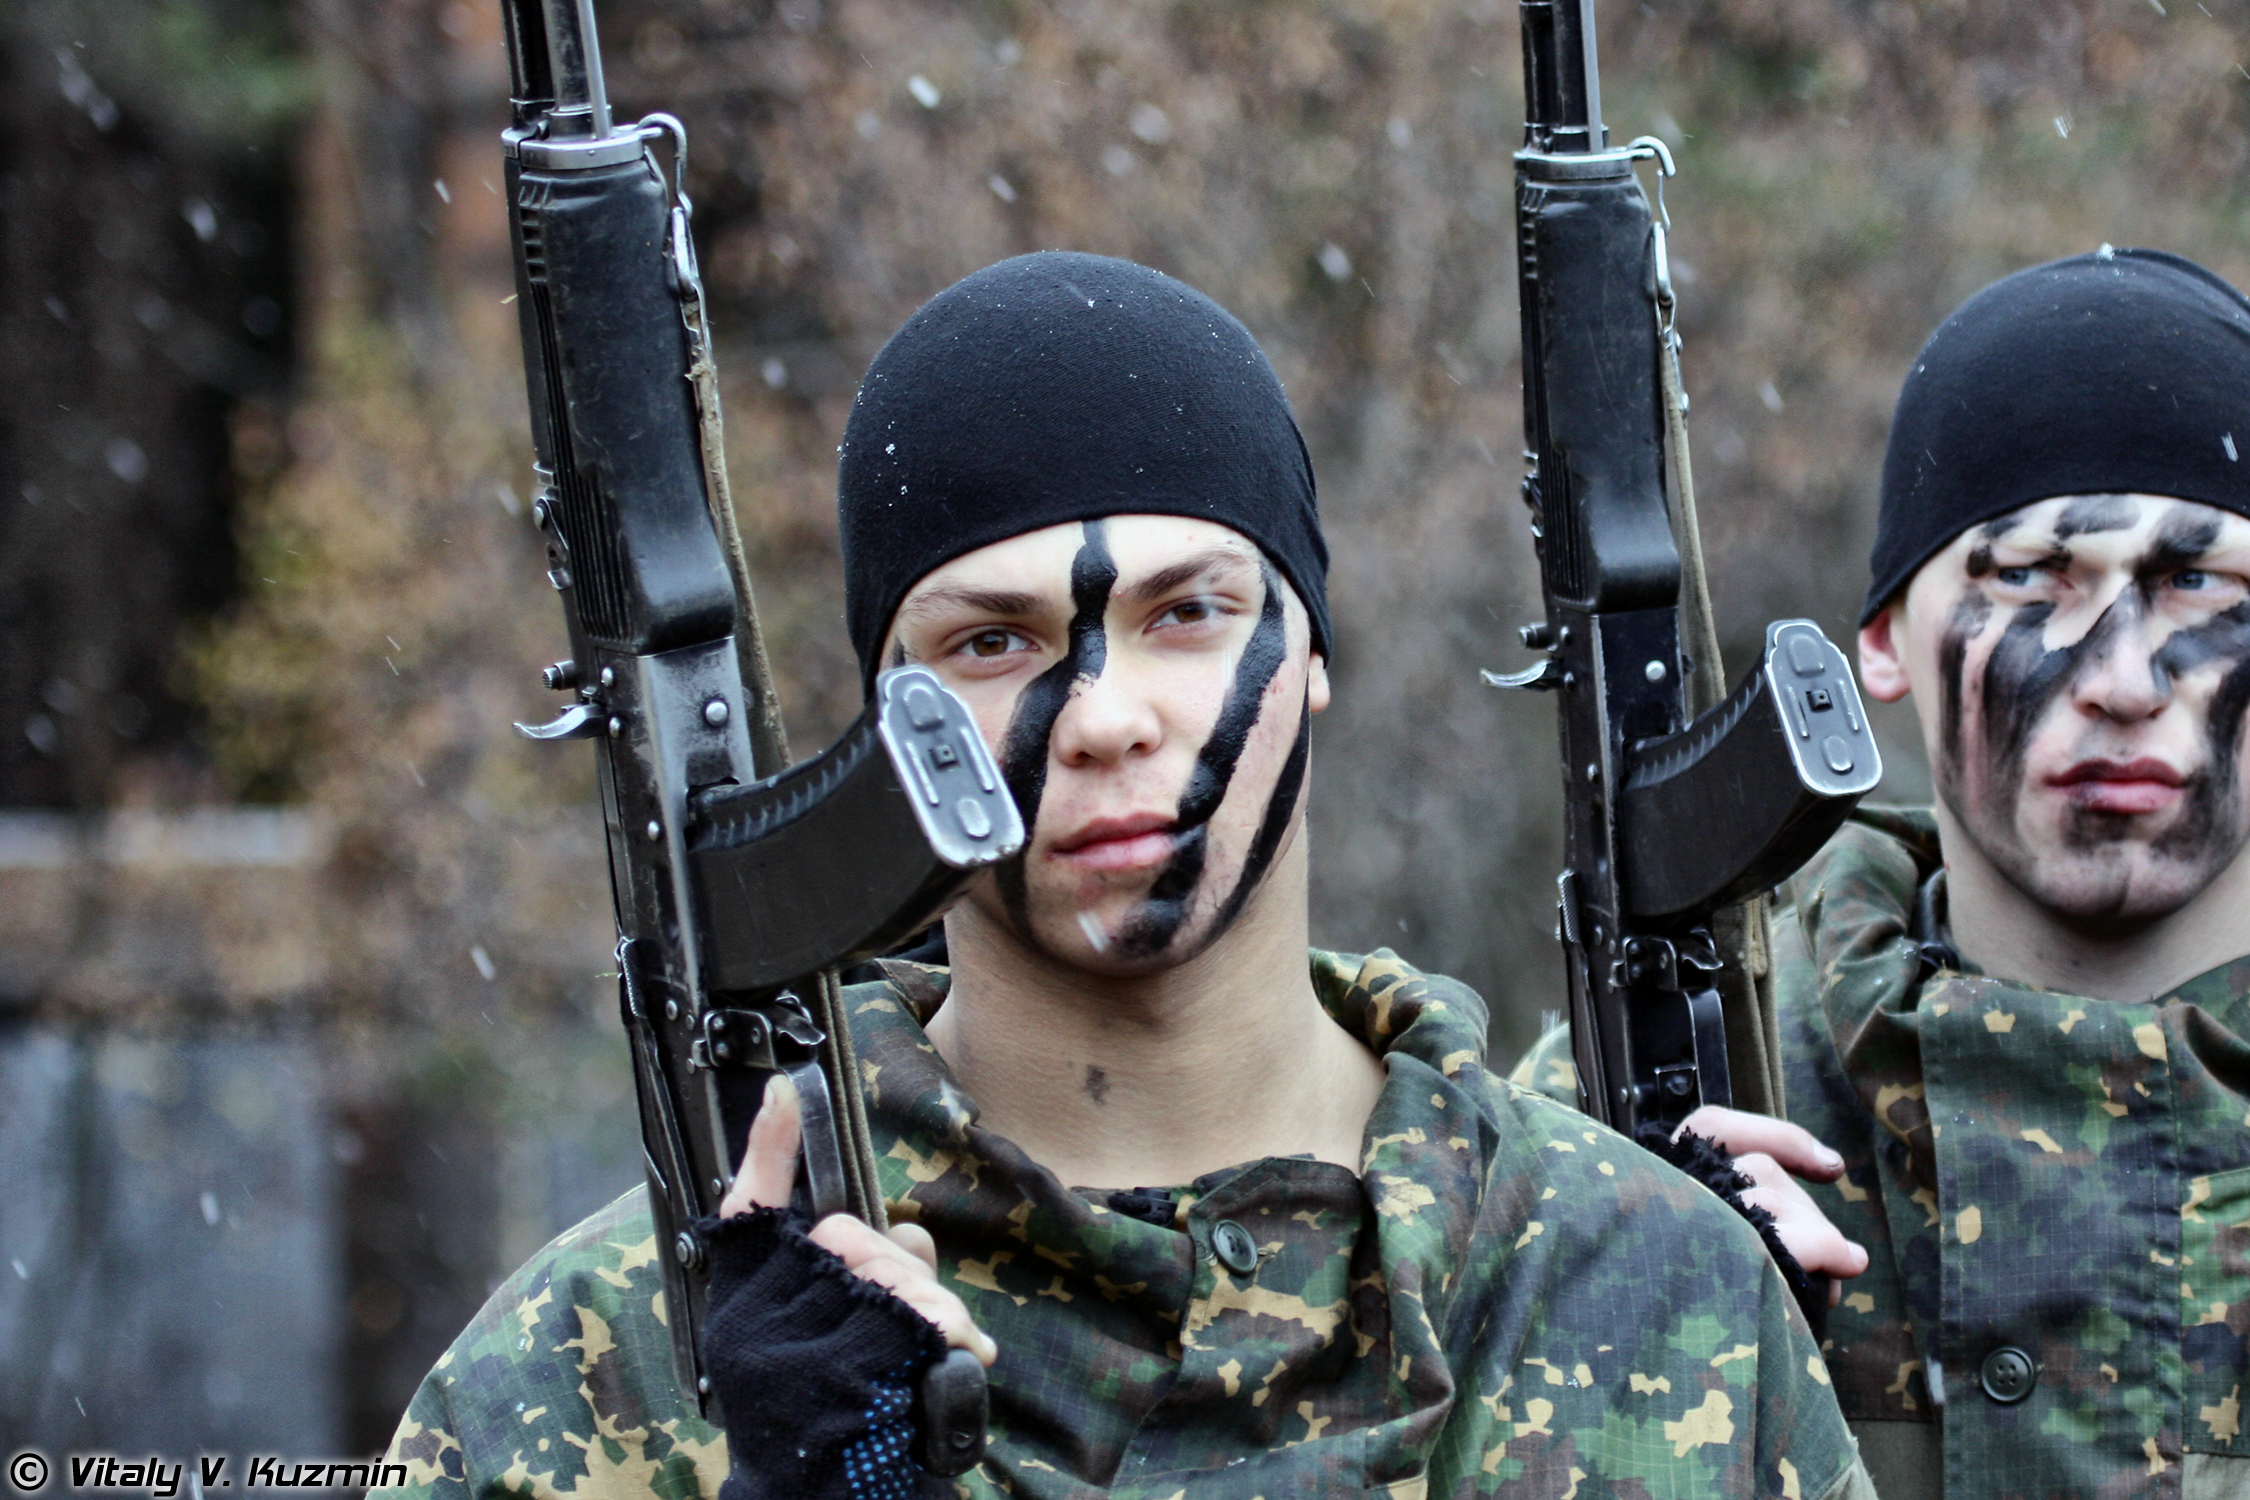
(1156, 1080)
(2005, 933)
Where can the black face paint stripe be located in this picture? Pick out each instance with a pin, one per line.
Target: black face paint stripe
(2182, 540)
(2223, 636)
(1968, 620)
(1165, 910)
(2022, 677)
(1024, 749)
(1280, 808)
(2212, 815)
(2092, 513)
(1262, 656)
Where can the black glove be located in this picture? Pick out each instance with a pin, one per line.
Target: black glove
(815, 1369)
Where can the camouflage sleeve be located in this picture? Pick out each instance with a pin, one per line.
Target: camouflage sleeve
(563, 1383)
(1547, 1068)
(1634, 1337)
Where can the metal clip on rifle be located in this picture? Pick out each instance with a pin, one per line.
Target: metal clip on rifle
(741, 884)
(1679, 803)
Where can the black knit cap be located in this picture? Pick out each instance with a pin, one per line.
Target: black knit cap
(1060, 387)
(2120, 371)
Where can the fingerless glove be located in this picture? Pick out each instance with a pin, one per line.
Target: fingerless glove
(815, 1369)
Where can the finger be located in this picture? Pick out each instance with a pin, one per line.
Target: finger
(853, 1243)
(902, 1271)
(1740, 1132)
(1818, 1245)
(861, 1249)
(935, 1304)
(769, 1157)
(916, 1241)
(1829, 1254)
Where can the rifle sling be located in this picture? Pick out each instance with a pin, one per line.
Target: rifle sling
(1742, 932)
(769, 744)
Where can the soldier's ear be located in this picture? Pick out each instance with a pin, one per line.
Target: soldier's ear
(1316, 682)
(1882, 666)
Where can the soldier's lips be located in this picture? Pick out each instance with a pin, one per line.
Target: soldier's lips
(2128, 787)
(1108, 845)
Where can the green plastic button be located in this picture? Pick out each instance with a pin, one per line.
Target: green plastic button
(1232, 1244)
(2008, 1375)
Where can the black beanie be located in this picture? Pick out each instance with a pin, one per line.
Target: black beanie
(2121, 371)
(1060, 387)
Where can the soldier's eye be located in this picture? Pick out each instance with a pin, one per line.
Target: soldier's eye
(1189, 612)
(2015, 577)
(2192, 580)
(990, 642)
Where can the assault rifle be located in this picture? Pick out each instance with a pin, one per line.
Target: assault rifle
(741, 883)
(1681, 805)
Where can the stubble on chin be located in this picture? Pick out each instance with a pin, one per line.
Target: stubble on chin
(2109, 873)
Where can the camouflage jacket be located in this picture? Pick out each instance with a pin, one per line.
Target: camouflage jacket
(2044, 1183)
(1506, 1299)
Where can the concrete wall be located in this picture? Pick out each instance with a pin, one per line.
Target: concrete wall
(243, 1207)
(169, 1245)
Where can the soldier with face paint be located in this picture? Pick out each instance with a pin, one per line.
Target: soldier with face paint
(1239, 1217)
(2023, 1015)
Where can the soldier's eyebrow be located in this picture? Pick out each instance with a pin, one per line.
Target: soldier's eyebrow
(1013, 604)
(1186, 570)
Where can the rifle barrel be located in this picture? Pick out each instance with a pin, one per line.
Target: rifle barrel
(1562, 81)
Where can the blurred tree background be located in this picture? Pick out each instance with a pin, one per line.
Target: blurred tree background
(263, 492)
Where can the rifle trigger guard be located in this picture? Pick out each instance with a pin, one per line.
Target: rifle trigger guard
(1545, 677)
(580, 721)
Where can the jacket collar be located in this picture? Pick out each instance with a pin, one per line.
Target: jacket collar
(1860, 903)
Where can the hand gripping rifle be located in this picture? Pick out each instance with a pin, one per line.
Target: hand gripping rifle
(1682, 807)
(741, 884)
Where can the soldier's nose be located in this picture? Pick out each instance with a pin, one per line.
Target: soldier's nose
(2123, 680)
